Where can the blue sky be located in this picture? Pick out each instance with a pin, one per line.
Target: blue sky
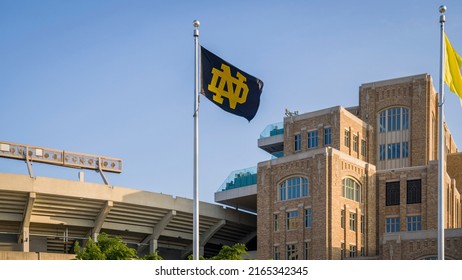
(116, 78)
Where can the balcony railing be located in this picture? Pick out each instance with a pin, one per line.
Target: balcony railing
(272, 130)
(240, 178)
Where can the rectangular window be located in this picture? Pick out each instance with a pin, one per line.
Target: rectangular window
(282, 192)
(276, 222)
(276, 253)
(363, 224)
(392, 224)
(312, 139)
(405, 118)
(363, 251)
(342, 250)
(382, 152)
(394, 119)
(363, 147)
(291, 252)
(293, 188)
(405, 150)
(298, 142)
(292, 217)
(342, 218)
(414, 223)
(414, 191)
(393, 151)
(353, 252)
(347, 138)
(307, 251)
(392, 193)
(383, 121)
(327, 136)
(355, 143)
(308, 218)
(353, 221)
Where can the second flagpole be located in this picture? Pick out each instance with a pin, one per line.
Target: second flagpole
(441, 144)
(196, 25)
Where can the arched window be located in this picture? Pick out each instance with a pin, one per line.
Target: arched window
(292, 188)
(351, 189)
(392, 119)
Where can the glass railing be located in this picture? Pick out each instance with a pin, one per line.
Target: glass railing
(279, 154)
(272, 130)
(240, 178)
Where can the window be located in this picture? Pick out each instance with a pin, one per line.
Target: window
(363, 147)
(393, 124)
(292, 217)
(392, 224)
(276, 222)
(327, 136)
(353, 252)
(363, 224)
(351, 189)
(342, 218)
(355, 143)
(312, 139)
(298, 142)
(363, 251)
(342, 250)
(353, 221)
(414, 223)
(347, 138)
(392, 193)
(291, 251)
(414, 191)
(283, 191)
(293, 188)
(382, 121)
(405, 113)
(308, 218)
(393, 119)
(382, 152)
(276, 253)
(393, 151)
(306, 253)
(405, 150)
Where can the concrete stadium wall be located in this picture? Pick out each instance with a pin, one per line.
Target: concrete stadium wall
(8, 255)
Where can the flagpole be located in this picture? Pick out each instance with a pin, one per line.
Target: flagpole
(196, 25)
(441, 143)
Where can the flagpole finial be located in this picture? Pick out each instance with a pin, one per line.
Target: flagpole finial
(442, 9)
(196, 25)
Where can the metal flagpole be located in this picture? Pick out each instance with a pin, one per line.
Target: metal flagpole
(441, 144)
(196, 25)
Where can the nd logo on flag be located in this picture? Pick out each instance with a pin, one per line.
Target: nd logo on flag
(228, 87)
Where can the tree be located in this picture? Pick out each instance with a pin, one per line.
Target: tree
(235, 252)
(153, 256)
(107, 248)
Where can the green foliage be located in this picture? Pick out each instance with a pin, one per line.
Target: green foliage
(235, 252)
(107, 248)
(153, 256)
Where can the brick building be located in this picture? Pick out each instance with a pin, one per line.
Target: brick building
(360, 182)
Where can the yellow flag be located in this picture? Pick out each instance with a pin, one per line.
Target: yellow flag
(453, 63)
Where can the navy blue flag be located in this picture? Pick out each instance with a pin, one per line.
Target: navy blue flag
(230, 88)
